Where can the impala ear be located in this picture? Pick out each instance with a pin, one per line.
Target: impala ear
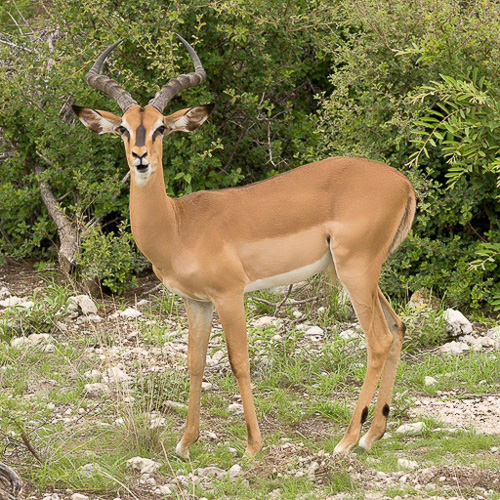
(189, 119)
(100, 122)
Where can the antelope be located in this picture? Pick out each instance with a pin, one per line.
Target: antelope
(344, 215)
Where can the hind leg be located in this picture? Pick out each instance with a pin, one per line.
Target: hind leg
(360, 277)
(378, 426)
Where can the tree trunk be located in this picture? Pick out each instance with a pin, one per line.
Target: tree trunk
(68, 236)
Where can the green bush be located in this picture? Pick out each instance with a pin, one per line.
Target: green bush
(110, 259)
(417, 85)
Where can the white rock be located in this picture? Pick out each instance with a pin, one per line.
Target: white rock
(4, 293)
(430, 381)
(90, 469)
(79, 496)
(173, 405)
(459, 324)
(27, 304)
(212, 436)
(211, 472)
(314, 331)
(85, 303)
(49, 348)
(234, 472)
(97, 389)
(455, 348)
(412, 429)
(40, 338)
(349, 334)
(265, 321)
(407, 464)
(297, 314)
(164, 489)
(19, 342)
(130, 313)
(116, 375)
(157, 421)
(206, 386)
(143, 465)
(235, 408)
(11, 302)
(321, 310)
(95, 375)
(90, 318)
(53, 496)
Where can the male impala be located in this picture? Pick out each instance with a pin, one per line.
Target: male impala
(346, 214)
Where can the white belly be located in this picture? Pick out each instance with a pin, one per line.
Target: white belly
(299, 274)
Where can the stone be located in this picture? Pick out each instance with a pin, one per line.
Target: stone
(234, 472)
(49, 349)
(265, 321)
(19, 342)
(412, 429)
(315, 331)
(130, 313)
(455, 348)
(173, 405)
(91, 318)
(40, 338)
(95, 390)
(90, 469)
(4, 293)
(164, 489)
(157, 421)
(142, 302)
(10, 302)
(407, 464)
(143, 465)
(79, 496)
(116, 375)
(349, 334)
(458, 323)
(211, 473)
(94, 375)
(235, 408)
(85, 303)
(206, 386)
(430, 381)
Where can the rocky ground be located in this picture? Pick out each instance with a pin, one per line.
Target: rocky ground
(98, 371)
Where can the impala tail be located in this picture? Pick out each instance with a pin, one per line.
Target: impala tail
(405, 224)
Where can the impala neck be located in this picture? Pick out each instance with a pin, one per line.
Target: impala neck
(152, 217)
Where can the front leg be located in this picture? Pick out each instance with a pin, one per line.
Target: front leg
(200, 323)
(232, 315)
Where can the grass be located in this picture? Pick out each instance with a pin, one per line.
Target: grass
(304, 392)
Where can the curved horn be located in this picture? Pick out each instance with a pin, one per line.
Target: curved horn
(182, 82)
(110, 87)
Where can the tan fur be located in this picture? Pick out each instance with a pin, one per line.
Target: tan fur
(210, 245)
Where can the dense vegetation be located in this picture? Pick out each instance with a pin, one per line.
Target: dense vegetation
(412, 83)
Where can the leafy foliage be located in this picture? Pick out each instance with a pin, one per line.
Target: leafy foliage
(417, 85)
(413, 84)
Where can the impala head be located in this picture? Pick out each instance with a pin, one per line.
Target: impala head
(142, 129)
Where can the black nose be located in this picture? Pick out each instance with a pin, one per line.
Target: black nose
(135, 155)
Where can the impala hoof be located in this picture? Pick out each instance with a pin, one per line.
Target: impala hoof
(182, 451)
(365, 443)
(252, 450)
(344, 448)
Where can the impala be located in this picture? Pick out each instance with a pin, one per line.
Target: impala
(345, 215)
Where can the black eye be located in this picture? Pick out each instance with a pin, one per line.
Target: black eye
(160, 130)
(122, 130)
